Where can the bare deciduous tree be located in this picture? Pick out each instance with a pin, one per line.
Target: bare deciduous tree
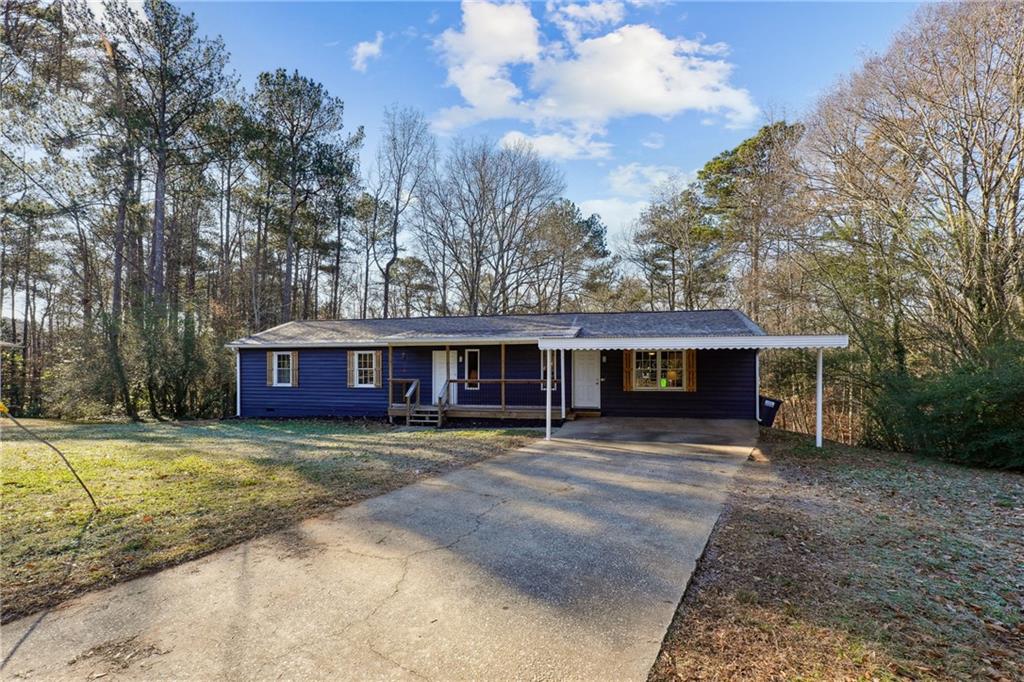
(403, 160)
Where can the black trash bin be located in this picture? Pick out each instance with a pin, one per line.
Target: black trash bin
(769, 408)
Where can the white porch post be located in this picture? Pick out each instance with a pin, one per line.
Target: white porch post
(817, 406)
(547, 395)
(238, 383)
(757, 385)
(561, 378)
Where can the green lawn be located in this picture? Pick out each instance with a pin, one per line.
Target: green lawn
(173, 492)
(849, 563)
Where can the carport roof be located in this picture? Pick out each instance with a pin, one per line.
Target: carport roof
(699, 329)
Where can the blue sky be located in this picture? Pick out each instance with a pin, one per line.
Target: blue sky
(619, 94)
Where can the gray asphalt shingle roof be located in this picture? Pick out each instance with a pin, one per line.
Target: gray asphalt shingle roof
(525, 327)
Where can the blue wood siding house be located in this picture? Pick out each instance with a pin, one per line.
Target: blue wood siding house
(700, 364)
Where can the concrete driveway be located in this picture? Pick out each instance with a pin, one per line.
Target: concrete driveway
(565, 559)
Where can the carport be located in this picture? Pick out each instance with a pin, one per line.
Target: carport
(755, 342)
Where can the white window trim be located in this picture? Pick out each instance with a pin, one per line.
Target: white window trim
(373, 367)
(291, 370)
(465, 357)
(657, 371)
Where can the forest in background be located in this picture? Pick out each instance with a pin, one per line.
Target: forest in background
(154, 208)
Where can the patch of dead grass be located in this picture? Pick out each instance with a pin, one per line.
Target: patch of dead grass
(849, 563)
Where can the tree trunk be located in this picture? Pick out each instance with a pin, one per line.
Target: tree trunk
(391, 261)
(156, 266)
(336, 274)
(366, 281)
(127, 184)
(289, 258)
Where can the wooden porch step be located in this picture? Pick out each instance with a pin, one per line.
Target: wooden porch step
(425, 416)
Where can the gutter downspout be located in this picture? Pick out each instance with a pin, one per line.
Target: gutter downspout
(757, 385)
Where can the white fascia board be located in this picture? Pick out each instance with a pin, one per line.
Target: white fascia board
(439, 341)
(299, 344)
(588, 343)
(699, 342)
(459, 341)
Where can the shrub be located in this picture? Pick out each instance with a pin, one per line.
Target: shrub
(972, 414)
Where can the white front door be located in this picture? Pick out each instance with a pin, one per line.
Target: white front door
(437, 385)
(586, 379)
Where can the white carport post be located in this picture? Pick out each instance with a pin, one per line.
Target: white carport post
(561, 378)
(817, 403)
(238, 383)
(547, 395)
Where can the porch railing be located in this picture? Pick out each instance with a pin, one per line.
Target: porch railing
(443, 398)
(498, 394)
(409, 394)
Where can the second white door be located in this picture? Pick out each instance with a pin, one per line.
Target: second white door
(440, 367)
(586, 379)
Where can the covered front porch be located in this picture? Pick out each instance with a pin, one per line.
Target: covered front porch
(430, 384)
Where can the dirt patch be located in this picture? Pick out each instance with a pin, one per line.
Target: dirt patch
(116, 656)
(849, 563)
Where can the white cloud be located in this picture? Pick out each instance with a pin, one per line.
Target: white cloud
(638, 180)
(618, 214)
(653, 141)
(574, 91)
(333, 43)
(561, 146)
(577, 19)
(638, 70)
(366, 50)
(493, 38)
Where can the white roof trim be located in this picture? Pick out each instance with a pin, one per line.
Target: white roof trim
(704, 342)
(586, 343)
(392, 341)
(256, 345)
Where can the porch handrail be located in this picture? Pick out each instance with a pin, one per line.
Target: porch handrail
(415, 383)
(538, 380)
(506, 382)
(444, 395)
(414, 388)
(443, 399)
(403, 382)
(410, 393)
